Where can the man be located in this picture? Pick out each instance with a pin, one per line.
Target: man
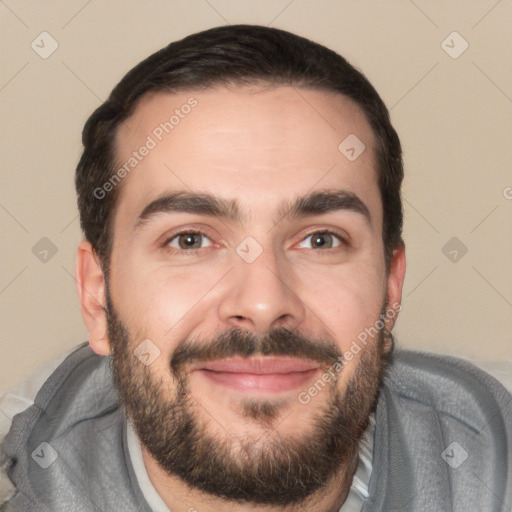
(240, 276)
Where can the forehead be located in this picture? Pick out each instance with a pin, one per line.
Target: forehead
(258, 146)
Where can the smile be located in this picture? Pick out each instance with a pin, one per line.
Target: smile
(265, 374)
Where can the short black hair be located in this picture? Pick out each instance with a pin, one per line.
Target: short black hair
(231, 55)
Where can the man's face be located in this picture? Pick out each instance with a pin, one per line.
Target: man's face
(260, 264)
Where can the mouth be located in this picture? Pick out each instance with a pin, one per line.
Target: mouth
(259, 374)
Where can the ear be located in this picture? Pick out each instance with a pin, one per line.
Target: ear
(395, 284)
(90, 283)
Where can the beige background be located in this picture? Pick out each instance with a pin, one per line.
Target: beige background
(454, 116)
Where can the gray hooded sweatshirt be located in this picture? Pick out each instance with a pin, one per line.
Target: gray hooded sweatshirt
(442, 442)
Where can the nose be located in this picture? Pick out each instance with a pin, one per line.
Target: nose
(261, 295)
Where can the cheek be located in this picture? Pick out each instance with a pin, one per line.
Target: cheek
(347, 301)
(159, 301)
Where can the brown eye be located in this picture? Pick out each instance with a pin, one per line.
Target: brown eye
(190, 240)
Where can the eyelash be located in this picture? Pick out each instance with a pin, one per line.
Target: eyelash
(343, 240)
(180, 233)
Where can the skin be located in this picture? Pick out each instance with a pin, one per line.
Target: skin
(263, 148)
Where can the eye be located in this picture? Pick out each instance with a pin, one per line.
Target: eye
(189, 240)
(321, 240)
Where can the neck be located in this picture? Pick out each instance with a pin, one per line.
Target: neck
(179, 497)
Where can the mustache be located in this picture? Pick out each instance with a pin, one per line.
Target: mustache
(236, 342)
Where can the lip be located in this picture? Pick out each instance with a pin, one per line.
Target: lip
(264, 374)
(259, 365)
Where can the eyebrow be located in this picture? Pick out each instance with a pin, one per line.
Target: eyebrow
(183, 202)
(315, 203)
(322, 202)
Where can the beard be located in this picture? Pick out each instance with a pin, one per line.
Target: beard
(279, 470)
